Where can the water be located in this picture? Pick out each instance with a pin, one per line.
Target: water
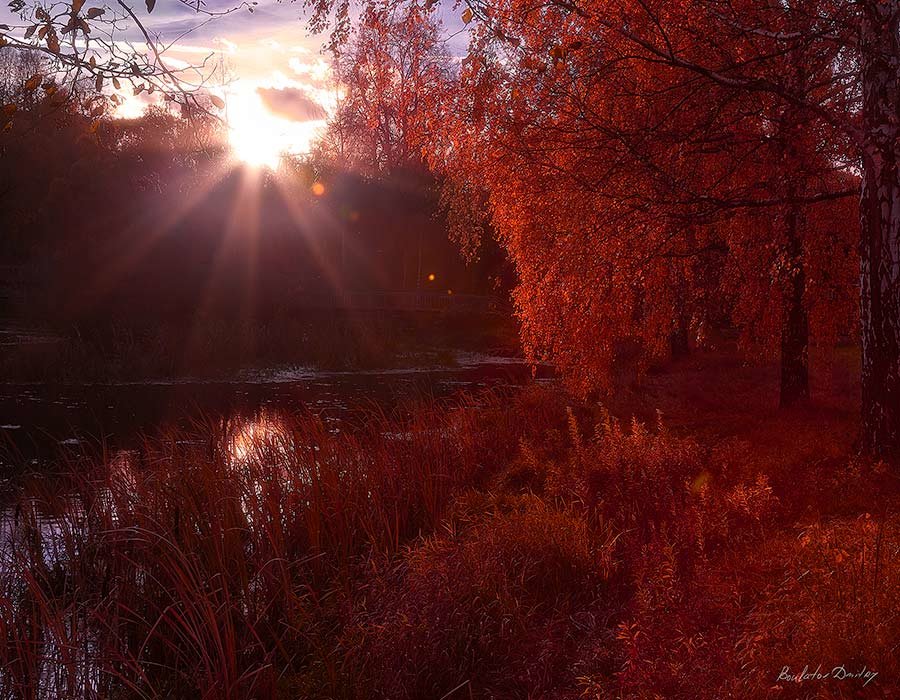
(37, 420)
(54, 528)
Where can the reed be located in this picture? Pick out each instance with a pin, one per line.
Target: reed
(496, 547)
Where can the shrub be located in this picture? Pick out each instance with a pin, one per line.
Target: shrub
(489, 609)
(679, 508)
(834, 603)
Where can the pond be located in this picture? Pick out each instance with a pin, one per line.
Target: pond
(37, 420)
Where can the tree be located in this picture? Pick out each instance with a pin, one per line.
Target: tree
(84, 55)
(661, 173)
(735, 47)
(394, 75)
(733, 54)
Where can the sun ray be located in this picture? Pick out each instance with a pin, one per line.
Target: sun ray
(243, 223)
(144, 242)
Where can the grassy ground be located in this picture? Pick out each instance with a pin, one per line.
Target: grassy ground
(713, 397)
(526, 547)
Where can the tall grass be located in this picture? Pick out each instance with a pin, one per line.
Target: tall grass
(502, 548)
(209, 563)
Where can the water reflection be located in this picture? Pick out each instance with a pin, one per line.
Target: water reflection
(35, 420)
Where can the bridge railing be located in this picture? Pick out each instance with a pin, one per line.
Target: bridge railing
(404, 301)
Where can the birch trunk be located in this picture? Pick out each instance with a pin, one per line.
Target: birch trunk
(880, 224)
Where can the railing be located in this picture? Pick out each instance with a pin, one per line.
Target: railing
(404, 301)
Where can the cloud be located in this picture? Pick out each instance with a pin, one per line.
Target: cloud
(317, 71)
(291, 103)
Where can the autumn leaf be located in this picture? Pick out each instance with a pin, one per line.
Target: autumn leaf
(138, 89)
(76, 6)
(7, 126)
(30, 31)
(116, 84)
(41, 14)
(32, 83)
(467, 15)
(93, 62)
(9, 109)
(558, 53)
(217, 101)
(52, 41)
(150, 5)
(94, 12)
(98, 84)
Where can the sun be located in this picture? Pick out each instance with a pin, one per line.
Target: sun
(255, 148)
(251, 135)
(259, 138)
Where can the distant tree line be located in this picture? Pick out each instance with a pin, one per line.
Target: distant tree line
(150, 217)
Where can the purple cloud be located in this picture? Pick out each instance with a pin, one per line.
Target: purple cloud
(291, 103)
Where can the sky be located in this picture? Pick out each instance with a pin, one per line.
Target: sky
(277, 85)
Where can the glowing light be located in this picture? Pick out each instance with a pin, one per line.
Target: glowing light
(260, 138)
(130, 107)
(318, 189)
(249, 134)
(431, 277)
(701, 481)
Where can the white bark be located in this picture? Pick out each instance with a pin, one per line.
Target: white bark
(880, 222)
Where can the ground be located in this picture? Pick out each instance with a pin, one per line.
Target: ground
(713, 396)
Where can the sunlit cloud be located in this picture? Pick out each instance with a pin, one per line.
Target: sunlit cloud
(226, 45)
(291, 103)
(317, 70)
(266, 66)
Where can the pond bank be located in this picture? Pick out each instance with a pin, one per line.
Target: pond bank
(35, 418)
